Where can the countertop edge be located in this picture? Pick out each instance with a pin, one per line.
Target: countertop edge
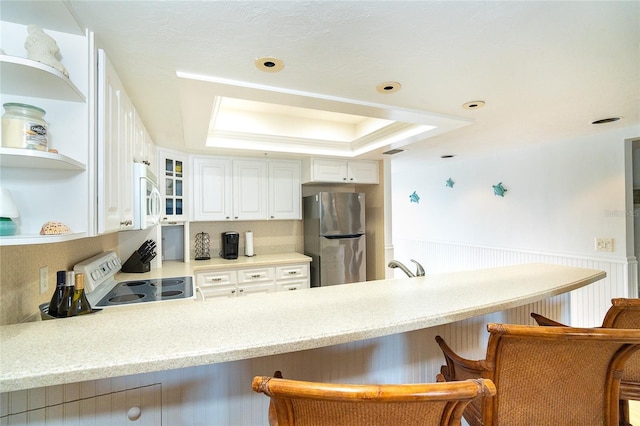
(22, 378)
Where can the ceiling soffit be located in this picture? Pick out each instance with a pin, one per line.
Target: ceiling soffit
(271, 119)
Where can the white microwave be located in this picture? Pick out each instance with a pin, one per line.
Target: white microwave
(147, 201)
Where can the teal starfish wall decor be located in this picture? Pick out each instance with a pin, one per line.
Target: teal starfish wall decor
(414, 198)
(450, 183)
(499, 190)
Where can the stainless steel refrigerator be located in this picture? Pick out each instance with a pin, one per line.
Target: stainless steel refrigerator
(334, 237)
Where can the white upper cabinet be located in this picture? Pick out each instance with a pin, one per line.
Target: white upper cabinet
(340, 171)
(250, 190)
(116, 135)
(172, 177)
(211, 189)
(285, 197)
(245, 189)
(144, 150)
(360, 171)
(122, 140)
(50, 186)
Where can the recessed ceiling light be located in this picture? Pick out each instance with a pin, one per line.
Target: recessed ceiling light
(473, 105)
(388, 87)
(447, 156)
(269, 64)
(606, 120)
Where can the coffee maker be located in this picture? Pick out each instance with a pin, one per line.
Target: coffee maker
(230, 242)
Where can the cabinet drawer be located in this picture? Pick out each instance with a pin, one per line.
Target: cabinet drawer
(255, 275)
(219, 291)
(286, 272)
(209, 279)
(249, 289)
(290, 285)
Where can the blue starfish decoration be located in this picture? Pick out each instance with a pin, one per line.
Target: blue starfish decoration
(414, 198)
(499, 190)
(450, 183)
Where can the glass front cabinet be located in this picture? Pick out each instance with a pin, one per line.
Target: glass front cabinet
(172, 182)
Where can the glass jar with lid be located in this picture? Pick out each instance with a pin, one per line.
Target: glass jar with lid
(23, 126)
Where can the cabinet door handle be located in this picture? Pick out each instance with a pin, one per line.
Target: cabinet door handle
(233, 292)
(241, 290)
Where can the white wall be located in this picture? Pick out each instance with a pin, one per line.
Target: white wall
(560, 197)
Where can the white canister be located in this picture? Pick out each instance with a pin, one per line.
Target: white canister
(23, 126)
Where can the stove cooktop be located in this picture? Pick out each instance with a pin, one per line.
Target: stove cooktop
(152, 290)
(103, 291)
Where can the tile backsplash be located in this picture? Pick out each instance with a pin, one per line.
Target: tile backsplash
(269, 237)
(20, 265)
(20, 272)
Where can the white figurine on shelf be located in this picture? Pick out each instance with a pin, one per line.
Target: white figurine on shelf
(43, 48)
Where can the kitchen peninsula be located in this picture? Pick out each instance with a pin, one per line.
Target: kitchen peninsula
(165, 336)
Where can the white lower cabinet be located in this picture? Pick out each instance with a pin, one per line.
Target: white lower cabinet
(292, 277)
(246, 281)
(140, 406)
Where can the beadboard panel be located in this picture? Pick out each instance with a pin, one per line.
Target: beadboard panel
(587, 305)
(78, 404)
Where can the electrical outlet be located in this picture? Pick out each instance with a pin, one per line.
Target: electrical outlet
(604, 244)
(44, 279)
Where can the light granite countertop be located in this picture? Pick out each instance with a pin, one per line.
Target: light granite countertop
(164, 336)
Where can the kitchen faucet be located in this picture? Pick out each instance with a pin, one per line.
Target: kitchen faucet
(419, 272)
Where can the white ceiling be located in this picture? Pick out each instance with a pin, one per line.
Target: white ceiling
(546, 70)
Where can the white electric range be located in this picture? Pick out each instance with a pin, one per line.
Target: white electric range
(103, 291)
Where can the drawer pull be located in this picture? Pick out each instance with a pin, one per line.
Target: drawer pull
(256, 276)
(293, 288)
(292, 272)
(216, 279)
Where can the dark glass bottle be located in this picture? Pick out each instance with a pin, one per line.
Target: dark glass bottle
(79, 304)
(67, 296)
(61, 279)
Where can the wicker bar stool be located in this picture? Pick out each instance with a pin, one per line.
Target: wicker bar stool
(546, 375)
(296, 402)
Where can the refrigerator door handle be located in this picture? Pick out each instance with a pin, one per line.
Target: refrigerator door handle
(341, 237)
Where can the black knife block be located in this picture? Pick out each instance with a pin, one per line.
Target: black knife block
(134, 264)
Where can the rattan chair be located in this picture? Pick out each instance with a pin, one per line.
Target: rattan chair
(623, 313)
(546, 375)
(300, 403)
